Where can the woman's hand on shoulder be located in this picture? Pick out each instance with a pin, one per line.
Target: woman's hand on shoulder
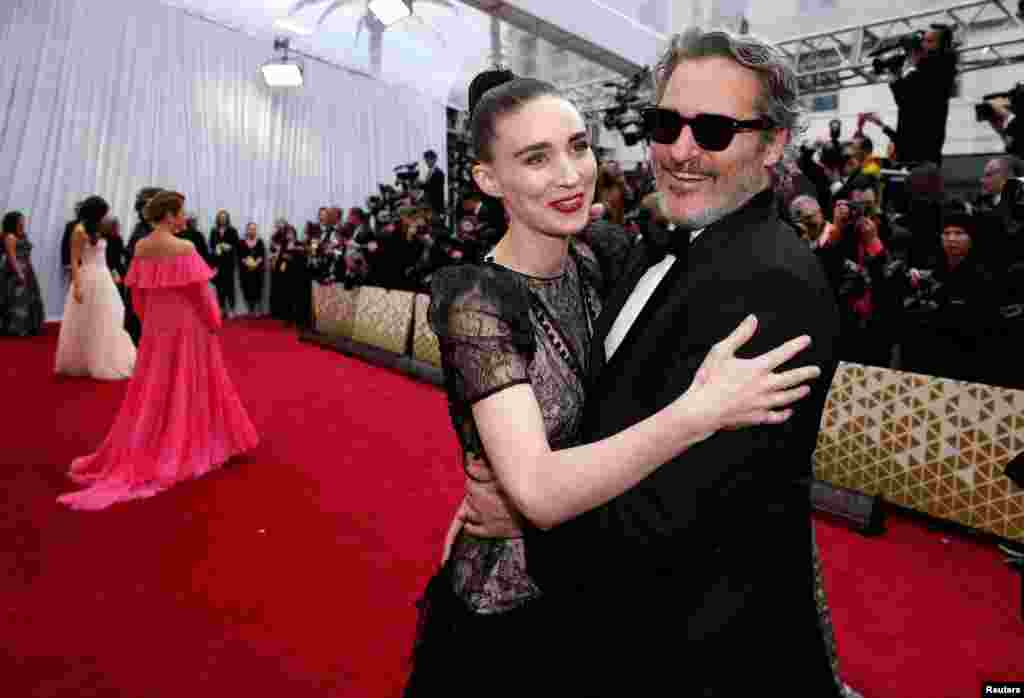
(739, 393)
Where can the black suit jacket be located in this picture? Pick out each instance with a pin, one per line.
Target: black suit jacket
(226, 261)
(197, 239)
(433, 188)
(714, 548)
(116, 255)
(922, 98)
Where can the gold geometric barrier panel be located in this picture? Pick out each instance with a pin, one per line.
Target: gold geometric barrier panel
(383, 318)
(936, 445)
(425, 346)
(335, 309)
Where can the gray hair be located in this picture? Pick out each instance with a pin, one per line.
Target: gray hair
(800, 204)
(778, 100)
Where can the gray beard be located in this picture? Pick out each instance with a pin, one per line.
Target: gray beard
(749, 182)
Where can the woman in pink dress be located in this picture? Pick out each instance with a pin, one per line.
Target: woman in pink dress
(181, 416)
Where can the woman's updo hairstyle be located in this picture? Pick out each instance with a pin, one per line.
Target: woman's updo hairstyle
(90, 214)
(164, 203)
(12, 219)
(493, 94)
(143, 197)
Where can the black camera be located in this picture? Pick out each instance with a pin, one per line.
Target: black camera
(407, 173)
(624, 114)
(858, 209)
(986, 112)
(900, 47)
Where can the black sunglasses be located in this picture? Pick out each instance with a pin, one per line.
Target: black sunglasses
(711, 131)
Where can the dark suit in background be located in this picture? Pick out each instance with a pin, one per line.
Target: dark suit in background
(116, 256)
(433, 188)
(922, 98)
(225, 264)
(193, 235)
(132, 324)
(699, 580)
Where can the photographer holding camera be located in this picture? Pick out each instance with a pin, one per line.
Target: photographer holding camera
(1000, 110)
(854, 258)
(922, 92)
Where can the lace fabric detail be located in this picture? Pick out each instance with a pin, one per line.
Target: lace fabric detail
(492, 337)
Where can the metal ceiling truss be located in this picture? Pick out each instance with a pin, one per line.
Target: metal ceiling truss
(988, 34)
(594, 97)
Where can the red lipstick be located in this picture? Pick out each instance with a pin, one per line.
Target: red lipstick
(568, 205)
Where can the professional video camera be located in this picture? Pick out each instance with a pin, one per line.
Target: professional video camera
(407, 175)
(986, 112)
(624, 116)
(892, 53)
(895, 49)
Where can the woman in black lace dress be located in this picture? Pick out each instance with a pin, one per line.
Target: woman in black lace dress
(21, 301)
(515, 341)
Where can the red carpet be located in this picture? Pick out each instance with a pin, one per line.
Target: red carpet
(294, 573)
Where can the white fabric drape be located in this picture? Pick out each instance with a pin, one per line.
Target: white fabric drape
(108, 97)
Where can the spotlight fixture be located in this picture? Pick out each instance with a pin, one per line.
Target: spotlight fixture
(391, 11)
(283, 71)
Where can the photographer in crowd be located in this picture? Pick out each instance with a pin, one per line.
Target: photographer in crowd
(805, 213)
(1000, 111)
(950, 307)
(854, 257)
(924, 76)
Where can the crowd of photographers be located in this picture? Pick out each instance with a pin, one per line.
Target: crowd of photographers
(403, 235)
(925, 282)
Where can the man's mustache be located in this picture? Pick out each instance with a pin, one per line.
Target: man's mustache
(687, 168)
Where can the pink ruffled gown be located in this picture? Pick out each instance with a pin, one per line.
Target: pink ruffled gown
(181, 416)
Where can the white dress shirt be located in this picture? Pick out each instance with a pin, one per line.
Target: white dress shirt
(638, 299)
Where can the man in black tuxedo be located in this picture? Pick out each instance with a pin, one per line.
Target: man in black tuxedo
(132, 323)
(922, 92)
(699, 581)
(433, 184)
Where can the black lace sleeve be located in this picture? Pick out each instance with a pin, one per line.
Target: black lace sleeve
(480, 314)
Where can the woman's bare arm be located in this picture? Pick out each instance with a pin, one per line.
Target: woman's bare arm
(550, 487)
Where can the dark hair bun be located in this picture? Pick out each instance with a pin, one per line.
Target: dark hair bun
(487, 80)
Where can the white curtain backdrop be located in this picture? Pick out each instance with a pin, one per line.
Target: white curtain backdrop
(108, 97)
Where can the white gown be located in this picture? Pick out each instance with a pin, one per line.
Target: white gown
(93, 341)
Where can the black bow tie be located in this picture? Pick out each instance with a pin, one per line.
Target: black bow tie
(663, 241)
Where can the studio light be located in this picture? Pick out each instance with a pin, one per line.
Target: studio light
(390, 11)
(283, 71)
(282, 75)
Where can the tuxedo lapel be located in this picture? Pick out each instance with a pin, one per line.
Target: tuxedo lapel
(658, 303)
(635, 268)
